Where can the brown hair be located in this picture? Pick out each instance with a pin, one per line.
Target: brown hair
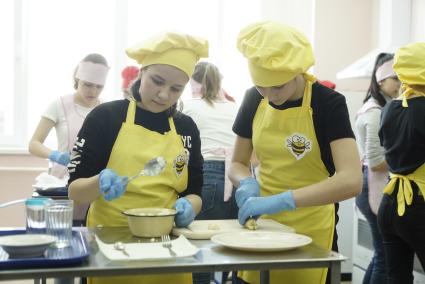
(374, 89)
(92, 57)
(208, 75)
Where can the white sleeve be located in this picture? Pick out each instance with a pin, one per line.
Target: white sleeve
(373, 150)
(53, 111)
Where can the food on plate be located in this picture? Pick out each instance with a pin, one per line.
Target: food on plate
(251, 224)
(214, 227)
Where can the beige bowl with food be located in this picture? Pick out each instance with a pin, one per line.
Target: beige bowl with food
(150, 222)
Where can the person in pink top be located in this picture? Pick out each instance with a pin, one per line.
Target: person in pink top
(66, 114)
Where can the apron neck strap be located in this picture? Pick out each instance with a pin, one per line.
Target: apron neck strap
(131, 112)
(172, 126)
(309, 80)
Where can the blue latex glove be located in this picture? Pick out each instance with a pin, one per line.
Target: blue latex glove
(62, 158)
(111, 185)
(185, 214)
(256, 206)
(248, 187)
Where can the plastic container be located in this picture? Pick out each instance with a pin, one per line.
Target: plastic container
(35, 215)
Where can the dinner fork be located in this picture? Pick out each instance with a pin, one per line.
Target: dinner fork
(166, 243)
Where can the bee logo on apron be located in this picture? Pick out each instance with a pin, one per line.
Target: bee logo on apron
(298, 145)
(180, 162)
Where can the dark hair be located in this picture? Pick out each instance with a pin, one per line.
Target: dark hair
(92, 57)
(134, 92)
(374, 90)
(208, 75)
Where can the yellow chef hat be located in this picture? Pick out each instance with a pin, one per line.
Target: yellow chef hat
(409, 64)
(175, 49)
(276, 53)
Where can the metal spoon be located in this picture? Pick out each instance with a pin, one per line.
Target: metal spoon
(121, 247)
(152, 168)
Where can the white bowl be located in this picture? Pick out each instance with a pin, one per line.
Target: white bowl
(150, 222)
(26, 245)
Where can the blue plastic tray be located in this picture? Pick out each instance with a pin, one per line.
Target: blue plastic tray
(53, 257)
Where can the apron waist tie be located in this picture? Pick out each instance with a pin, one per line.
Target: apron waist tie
(405, 192)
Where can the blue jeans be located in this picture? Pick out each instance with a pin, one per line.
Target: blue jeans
(403, 235)
(213, 206)
(376, 272)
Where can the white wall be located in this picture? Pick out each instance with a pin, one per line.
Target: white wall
(299, 14)
(418, 20)
(17, 175)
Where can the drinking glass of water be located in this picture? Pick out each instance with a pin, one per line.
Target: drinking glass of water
(35, 215)
(59, 221)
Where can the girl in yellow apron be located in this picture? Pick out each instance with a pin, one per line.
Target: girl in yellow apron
(401, 215)
(301, 135)
(118, 138)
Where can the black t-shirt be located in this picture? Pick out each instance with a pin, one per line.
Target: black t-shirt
(330, 118)
(100, 129)
(402, 134)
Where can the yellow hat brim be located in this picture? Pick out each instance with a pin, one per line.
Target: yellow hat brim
(263, 77)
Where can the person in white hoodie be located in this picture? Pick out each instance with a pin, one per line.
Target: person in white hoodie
(384, 87)
(214, 112)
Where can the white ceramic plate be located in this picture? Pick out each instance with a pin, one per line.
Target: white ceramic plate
(26, 245)
(205, 229)
(261, 241)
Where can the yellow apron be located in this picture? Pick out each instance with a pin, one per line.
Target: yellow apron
(134, 146)
(405, 193)
(286, 146)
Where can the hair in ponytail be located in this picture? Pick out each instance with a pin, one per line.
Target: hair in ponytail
(208, 75)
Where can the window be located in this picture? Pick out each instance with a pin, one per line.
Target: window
(10, 37)
(44, 40)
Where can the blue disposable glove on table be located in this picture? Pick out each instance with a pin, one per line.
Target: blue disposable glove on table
(248, 187)
(185, 214)
(111, 185)
(256, 206)
(62, 158)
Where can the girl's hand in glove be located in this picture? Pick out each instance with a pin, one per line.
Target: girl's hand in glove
(256, 206)
(111, 185)
(185, 214)
(61, 158)
(248, 187)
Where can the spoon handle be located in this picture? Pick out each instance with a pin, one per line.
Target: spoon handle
(12, 202)
(135, 176)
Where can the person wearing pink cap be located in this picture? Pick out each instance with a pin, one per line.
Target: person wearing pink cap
(384, 87)
(66, 114)
(129, 74)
